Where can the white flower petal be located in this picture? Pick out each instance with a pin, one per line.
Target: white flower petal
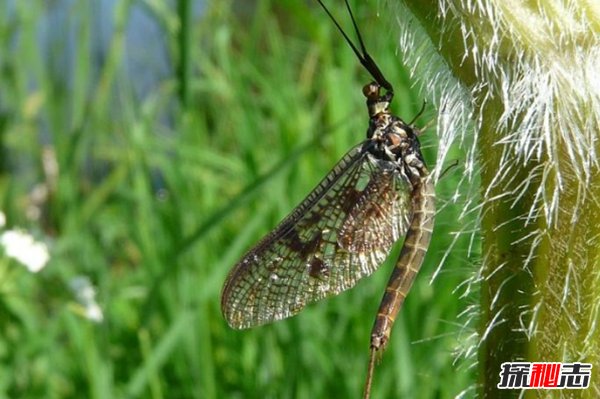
(23, 247)
(85, 293)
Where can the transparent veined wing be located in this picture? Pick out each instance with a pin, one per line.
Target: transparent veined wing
(342, 231)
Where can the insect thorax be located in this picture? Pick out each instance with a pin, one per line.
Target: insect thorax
(393, 140)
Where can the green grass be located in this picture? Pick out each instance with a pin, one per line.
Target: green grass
(158, 196)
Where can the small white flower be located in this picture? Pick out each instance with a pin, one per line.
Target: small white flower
(2, 219)
(23, 247)
(85, 294)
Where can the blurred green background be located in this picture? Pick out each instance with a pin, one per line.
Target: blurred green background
(149, 144)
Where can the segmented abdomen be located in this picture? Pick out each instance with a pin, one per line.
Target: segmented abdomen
(409, 262)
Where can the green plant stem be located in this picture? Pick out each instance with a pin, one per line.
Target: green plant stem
(540, 291)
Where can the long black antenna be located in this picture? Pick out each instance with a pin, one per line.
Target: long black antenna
(362, 54)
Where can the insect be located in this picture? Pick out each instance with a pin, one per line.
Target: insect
(344, 229)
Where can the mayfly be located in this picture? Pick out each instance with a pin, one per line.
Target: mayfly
(344, 229)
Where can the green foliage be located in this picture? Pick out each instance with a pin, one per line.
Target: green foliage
(156, 196)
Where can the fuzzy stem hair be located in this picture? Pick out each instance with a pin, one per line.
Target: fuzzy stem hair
(518, 87)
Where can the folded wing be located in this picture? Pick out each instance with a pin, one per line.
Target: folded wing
(342, 231)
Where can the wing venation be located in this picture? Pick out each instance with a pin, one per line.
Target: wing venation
(341, 232)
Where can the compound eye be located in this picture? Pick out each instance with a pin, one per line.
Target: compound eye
(371, 91)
